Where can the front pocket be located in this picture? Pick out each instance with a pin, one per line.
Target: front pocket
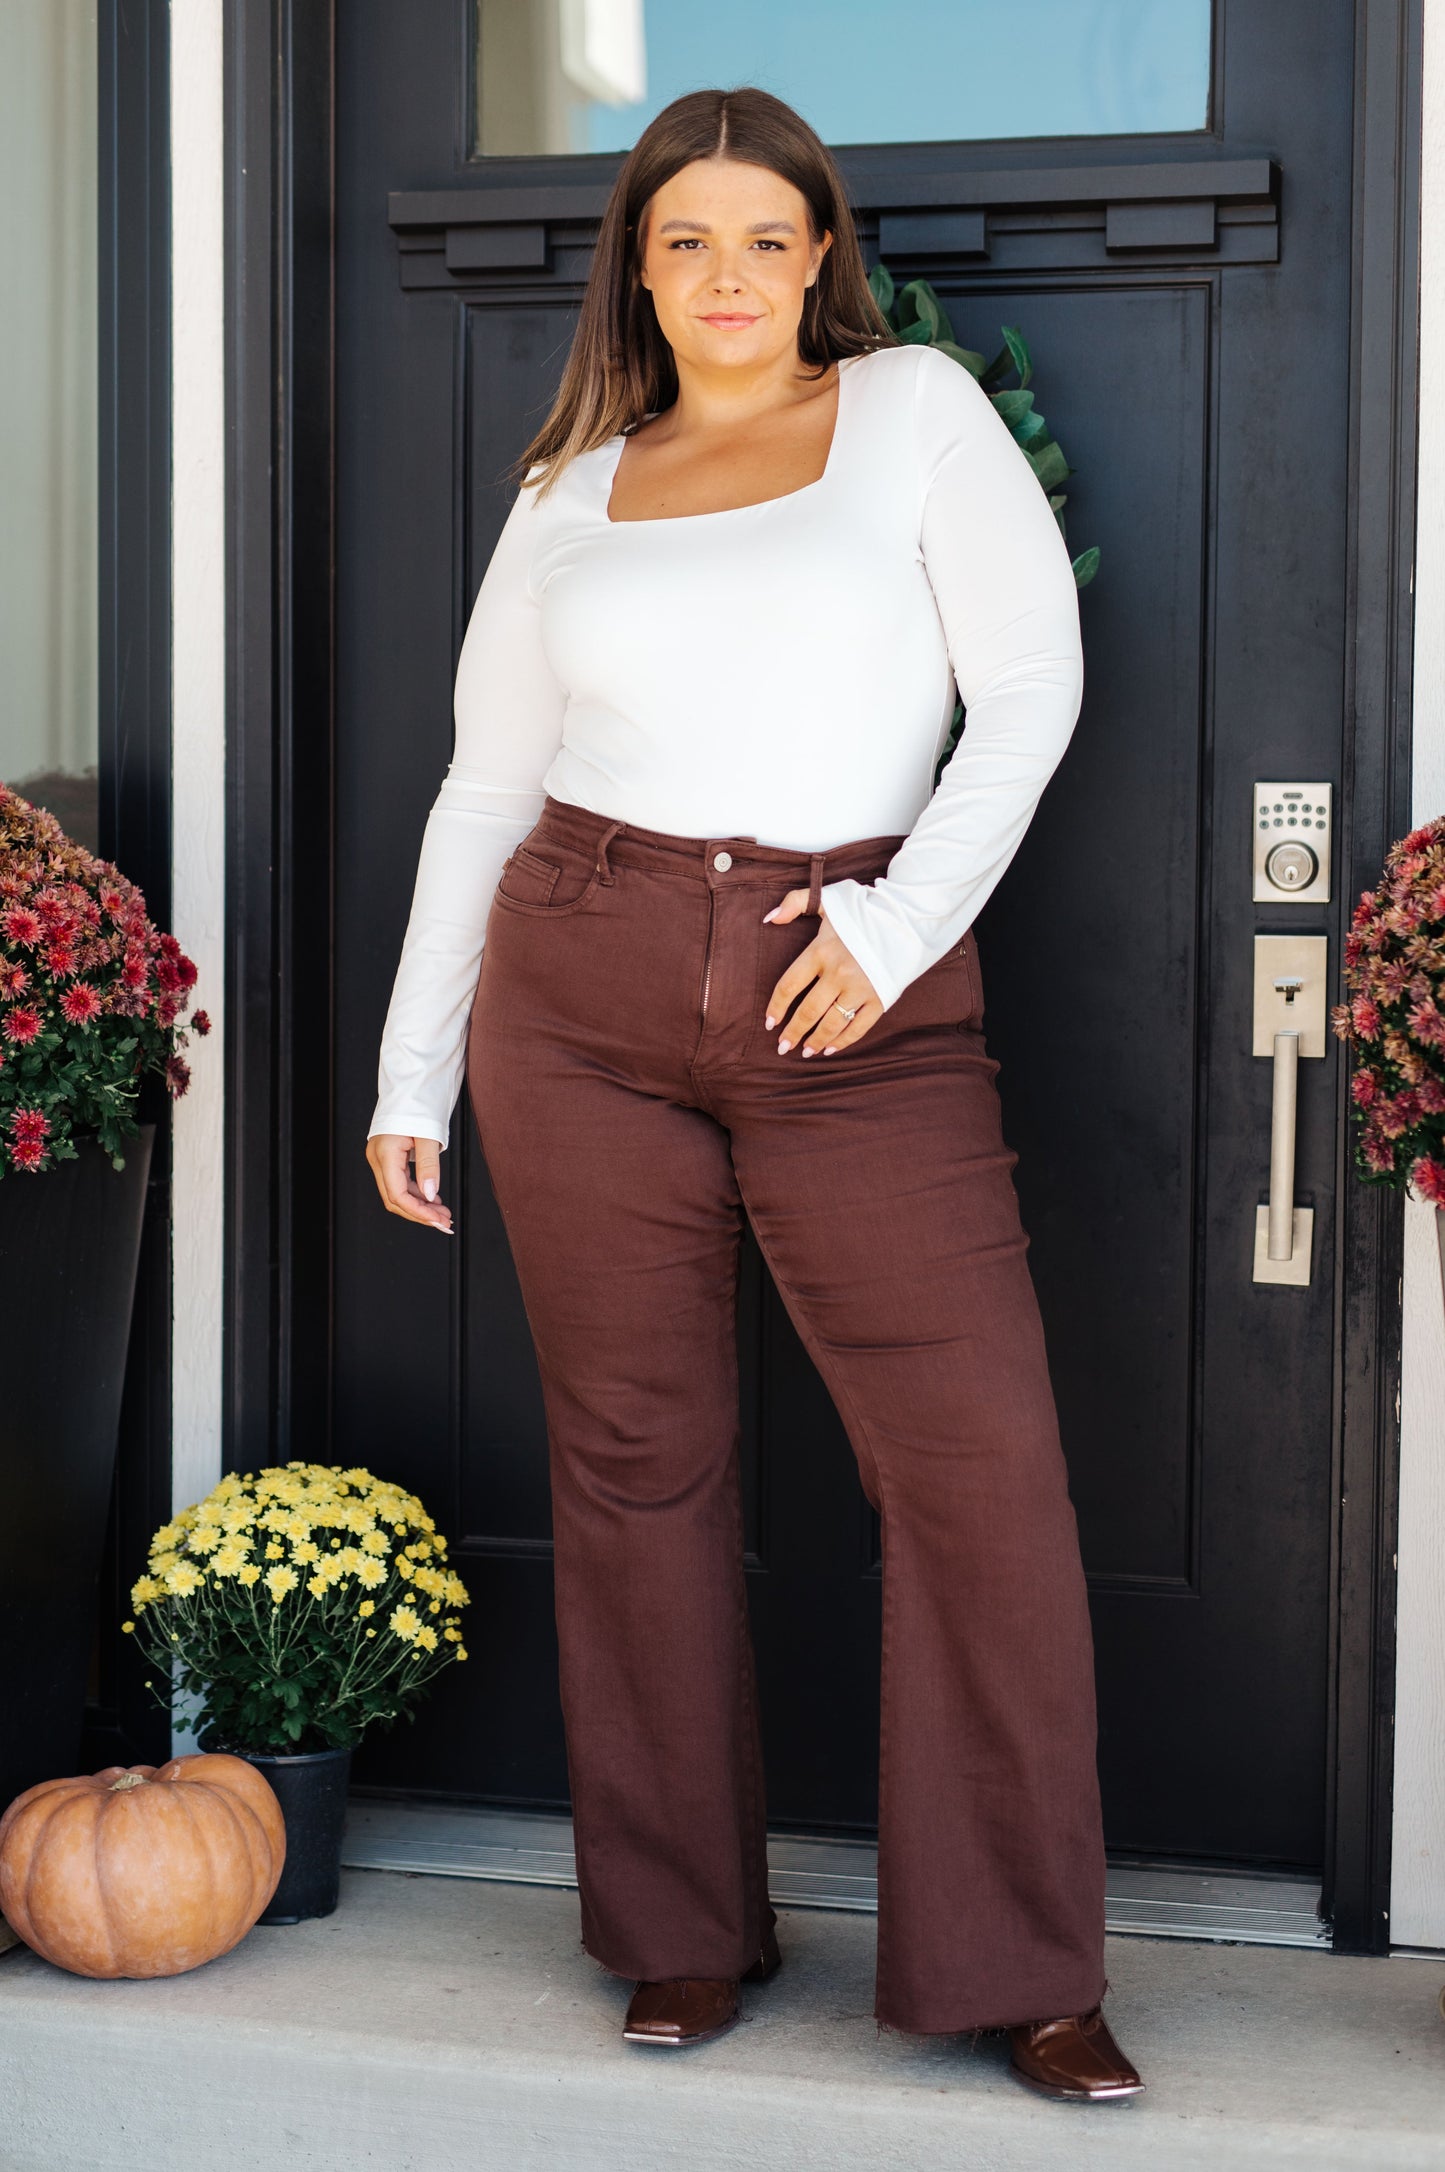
(943, 994)
(547, 885)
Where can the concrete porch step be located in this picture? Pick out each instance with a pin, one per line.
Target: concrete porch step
(434, 2024)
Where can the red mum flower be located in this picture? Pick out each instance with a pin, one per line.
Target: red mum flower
(1418, 840)
(60, 960)
(1428, 1178)
(1431, 1096)
(1365, 1018)
(22, 1023)
(169, 946)
(80, 1003)
(202, 1023)
(27, 1125)
(14, 980)
(1364, 1087)
(178, 1075)
(1427, 1024)
(1379, 1154)
(21, 925)
(1395, 1115)
(166, 1009)
(28, 1154)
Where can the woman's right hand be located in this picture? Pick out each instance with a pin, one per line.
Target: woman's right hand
(413, 1197)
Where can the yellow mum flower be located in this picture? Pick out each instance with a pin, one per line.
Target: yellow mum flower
(371, 1573)
(427, 1638)
(367, 1606)
(318, 1586)
(307, 1551)
(229, 1556)
(376, 1542)
(275, 1551)
(143, 1589)
(452, 1634)
(250, 1573)
(127, 1628)
(205, 1538)
(160, 1563)
(371, 1632)
(456, 1592)
(279, 1582)
(406, 1624)
(169, 1536)
(182, 1580)
(350, 1559)
(404, 1567)
(461, 1651)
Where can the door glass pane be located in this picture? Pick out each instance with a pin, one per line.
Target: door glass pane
(588, 75)
(48, 408)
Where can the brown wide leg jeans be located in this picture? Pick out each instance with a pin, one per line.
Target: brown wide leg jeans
(632, 1110)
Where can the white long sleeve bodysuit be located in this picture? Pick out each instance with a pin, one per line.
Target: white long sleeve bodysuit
(782, 671)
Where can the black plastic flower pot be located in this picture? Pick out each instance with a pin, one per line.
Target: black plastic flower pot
(311, 1790)
(69, 1248)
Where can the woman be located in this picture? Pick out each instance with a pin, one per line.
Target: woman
(689, 918)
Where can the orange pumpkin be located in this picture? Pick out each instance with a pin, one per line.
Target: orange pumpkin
(145, 1871)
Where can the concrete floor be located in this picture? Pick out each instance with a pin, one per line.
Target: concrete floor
(434, 2024)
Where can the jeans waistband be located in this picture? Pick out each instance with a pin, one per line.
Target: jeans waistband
(631, 844)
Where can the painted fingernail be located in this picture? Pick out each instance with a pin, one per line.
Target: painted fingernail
(827, 1052)
(769, 1022)
(769, 915)
(783, 1047)
(429, 1188)
(810, 1051)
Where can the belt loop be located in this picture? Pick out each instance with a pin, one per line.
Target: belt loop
(815, 883)
(604, 865)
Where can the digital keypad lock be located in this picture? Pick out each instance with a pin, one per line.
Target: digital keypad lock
(1293, 835)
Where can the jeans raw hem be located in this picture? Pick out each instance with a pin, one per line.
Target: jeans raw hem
(976, 2028)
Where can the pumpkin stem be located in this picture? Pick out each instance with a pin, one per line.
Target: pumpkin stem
(127, 1779)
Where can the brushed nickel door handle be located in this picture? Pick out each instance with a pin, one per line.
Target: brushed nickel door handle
(1289, 1022)
(1283, 1105)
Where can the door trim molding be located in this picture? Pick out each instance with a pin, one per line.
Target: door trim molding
(1375, 809)
(279, 299)
(133, 371)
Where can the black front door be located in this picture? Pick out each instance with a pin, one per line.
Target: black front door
(1187, 301)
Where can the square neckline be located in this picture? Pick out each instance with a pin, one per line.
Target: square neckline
(721, 512)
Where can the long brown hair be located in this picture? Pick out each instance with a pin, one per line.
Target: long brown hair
(620, 368)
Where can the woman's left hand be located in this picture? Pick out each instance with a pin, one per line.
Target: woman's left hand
(837, 978)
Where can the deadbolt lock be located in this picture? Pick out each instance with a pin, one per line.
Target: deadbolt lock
(1293, 833)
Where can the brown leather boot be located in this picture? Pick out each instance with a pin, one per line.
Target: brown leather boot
(1075, 2057)
(680, 2010)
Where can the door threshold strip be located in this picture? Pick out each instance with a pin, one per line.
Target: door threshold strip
(534, 1847)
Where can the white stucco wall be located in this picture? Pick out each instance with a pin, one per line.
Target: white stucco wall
(1417, 1901)
(198, 662)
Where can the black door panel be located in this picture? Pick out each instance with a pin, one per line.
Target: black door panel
(1196, 370)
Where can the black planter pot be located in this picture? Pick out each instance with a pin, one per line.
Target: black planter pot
(69, 1246)
(312, 1793)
